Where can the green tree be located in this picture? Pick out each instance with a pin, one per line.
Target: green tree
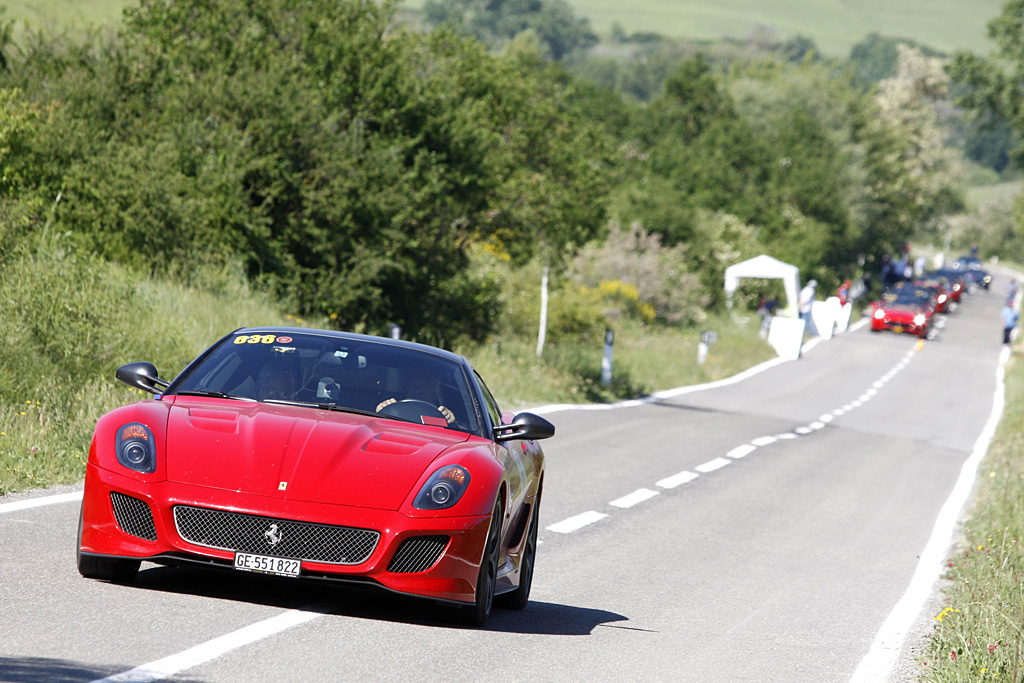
(350, 162)
(496, 22)
(993, 85)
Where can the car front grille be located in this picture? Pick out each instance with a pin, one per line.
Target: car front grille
(275, 537)
(133, 516)
(417, 554)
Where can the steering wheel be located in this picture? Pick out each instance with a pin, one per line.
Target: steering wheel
(413, 410)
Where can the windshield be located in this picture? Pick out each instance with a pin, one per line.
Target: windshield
(909, 299)
(322, 371)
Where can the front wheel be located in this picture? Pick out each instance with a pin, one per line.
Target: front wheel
(477, 613)
(104, 568)
(519, 598)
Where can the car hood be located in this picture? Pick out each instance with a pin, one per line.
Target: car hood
(901, 312)
(300, 453)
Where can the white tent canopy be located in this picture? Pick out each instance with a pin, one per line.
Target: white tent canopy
(766, 267)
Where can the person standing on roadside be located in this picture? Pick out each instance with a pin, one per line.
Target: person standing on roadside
(807, 299)
(1009, 316)
(1011, 291)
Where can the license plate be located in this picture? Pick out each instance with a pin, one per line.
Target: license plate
(279, 566)
(897, 328)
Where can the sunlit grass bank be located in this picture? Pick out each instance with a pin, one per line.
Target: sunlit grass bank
(644, 360)
(69, 322)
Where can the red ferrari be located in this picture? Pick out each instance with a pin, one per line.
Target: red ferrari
(908, 310)
(311, 454)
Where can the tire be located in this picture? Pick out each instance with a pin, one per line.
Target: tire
(104, 568)
(519, 598)
(477, 613)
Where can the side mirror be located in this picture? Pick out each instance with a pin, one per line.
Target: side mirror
(524, 426)
(142, 375)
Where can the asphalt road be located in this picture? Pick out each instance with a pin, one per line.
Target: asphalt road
(758, 531)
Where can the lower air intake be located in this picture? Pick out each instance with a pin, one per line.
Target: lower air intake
(418, 554)
(133, 516)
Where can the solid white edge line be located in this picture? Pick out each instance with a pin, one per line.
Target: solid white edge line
(39, 502)
(676, 480)
(204, 652)
(567, 526)
(878, 663)
(638, 496)
(659, 395)
(712, 465)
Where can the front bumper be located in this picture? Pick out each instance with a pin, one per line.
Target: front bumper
(879, 325)
(452, 577)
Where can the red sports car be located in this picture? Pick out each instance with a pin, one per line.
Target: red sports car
(909, 310)
(320, 455)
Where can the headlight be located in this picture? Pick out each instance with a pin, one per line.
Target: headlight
(135, 448)
(942, 298)
(919, 319)
(879, 314)
(443, 489)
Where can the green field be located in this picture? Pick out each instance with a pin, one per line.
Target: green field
(63, 13)
(835, 25)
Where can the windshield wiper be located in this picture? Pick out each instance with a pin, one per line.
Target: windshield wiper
(212, 394)
(347, 409)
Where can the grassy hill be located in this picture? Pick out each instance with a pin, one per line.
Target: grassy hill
(835, 25)
(62, 13)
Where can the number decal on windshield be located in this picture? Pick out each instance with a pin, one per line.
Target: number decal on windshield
(258, 339)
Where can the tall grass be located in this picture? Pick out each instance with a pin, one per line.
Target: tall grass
(69, 322)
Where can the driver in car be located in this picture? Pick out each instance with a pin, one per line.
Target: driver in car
(422, 386)
(275, 382)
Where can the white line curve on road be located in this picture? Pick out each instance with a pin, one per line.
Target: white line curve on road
(878, 663)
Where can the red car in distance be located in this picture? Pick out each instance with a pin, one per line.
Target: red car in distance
(907, 310)
(939, 294)
(955, 281)
(319, 455)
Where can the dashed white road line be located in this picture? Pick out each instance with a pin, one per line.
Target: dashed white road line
(712, 465)
(567, 526)
(676, 480)
(638, 496)
(741, 451)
